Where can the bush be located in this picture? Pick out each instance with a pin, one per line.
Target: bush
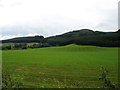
(106, 83)
(20, 46)
(6, 47)
(9, 81)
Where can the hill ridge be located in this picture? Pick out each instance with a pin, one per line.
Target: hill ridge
(79, 37)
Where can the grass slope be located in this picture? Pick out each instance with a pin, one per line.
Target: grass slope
(65, 66)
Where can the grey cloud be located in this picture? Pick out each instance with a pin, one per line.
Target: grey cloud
(45, 30)
(57, 24)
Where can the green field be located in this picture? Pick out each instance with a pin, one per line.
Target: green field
(63, 66)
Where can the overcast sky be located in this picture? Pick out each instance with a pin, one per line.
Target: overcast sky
(51, 17)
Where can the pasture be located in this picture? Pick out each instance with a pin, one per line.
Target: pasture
(70, 66)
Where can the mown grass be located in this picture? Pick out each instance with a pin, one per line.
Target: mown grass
(69, 66)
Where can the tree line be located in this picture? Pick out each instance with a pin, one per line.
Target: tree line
(16, 46)
(79, 37)
(86, 37)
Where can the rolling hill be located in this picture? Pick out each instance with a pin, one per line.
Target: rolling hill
(79, 37)
(71, 66)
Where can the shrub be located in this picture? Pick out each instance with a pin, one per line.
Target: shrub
(9, 81)
(106, 83)
(6, 47)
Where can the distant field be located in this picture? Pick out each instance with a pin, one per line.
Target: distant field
(66, 66)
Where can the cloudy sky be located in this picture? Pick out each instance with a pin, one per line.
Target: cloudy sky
(51, 17)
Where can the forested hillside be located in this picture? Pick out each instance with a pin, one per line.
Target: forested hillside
(85, 37)
(79, 37)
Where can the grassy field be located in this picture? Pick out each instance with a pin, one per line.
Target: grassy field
(69, 66)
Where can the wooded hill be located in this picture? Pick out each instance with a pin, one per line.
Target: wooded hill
(79, 37)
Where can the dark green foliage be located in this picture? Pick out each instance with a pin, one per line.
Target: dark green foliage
(79, 37)
(106, 83)
(86, 37)
(20, 46)
(39, 45)
(15, 46)
(37, 39)
(6, 47)
(24, 46)
(35, 46)
(9, 81)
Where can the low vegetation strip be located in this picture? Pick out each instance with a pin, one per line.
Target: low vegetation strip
(15, 46)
